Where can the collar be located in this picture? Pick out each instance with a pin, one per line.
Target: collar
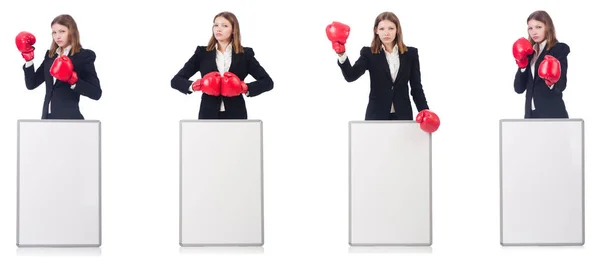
(541, 46)
(227, 49)
(66, 52)
(394, 50)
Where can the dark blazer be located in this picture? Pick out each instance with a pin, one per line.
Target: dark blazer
(384, 91)
(548, 103)
(242, 64)
(65, 101)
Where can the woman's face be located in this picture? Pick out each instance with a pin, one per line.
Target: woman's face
(536, 30)
(386, 30)
(222, 29)
(60, 35)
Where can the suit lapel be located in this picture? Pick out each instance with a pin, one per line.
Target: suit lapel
(212, 56)
(234, 62)
(386, 66)
(47, 65)
(401, 66)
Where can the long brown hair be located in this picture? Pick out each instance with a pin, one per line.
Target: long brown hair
(236, 38)
(550, 33)
(376, 43)
(67, 21)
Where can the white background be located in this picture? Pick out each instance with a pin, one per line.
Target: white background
(467, 70)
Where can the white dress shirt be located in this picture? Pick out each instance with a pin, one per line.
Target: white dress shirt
(393, 60)
(223, 61)
(59, 52)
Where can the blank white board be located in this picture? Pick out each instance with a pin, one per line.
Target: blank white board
(390, 184)
(542, 182)
(221, 183)
(58, 183)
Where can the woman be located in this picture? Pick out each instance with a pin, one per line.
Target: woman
(542, 62)
(392, 65)
(223, 64)
(68, 70)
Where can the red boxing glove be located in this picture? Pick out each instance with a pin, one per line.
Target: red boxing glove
(232, 85)
(549, 70)
(521, 49)
(338, 47)
(429, 121)
(338, 33)
(25, 42)
(62, 69)
(209, 84)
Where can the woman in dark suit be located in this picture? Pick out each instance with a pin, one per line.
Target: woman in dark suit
(68, 70)
(392, 65)
(223, 64)
(542, 73)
